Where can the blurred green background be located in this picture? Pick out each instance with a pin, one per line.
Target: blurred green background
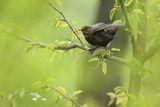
(35, 19)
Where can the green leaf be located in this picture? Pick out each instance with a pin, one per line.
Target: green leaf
(104, 68)
(111, 94)
(112, 12)
(116, 2)
(63, 90)
(93, 59)
(61, 24)
(118, 22)
(57, 101)
(128, 2)
(119, 90)
(22, 93)
(77, 92)
(115, 50)
(99, 51)
(34, 99)
(11, 96)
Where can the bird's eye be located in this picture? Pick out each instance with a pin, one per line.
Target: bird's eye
(86, 31)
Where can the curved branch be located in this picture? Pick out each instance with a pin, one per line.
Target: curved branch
(70, 26)
(64, 96)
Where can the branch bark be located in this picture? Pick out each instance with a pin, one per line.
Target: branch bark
(70, 46)
(70, 26)
(64, 96)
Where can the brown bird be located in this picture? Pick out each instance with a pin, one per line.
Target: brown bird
(100, 34)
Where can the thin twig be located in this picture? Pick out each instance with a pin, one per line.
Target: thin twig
(64, 96)
(67, 47)
(70, 26)
(70, 46)
(120, 60)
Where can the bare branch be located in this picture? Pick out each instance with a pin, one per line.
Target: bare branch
(64, 96)
(70, 26)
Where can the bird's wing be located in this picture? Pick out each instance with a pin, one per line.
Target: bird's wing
(100, 26)
(103, 30)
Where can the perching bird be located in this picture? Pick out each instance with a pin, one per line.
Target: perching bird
(100, 34)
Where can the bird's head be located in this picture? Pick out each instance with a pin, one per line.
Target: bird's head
(86, 30)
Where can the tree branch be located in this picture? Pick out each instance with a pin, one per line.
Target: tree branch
(70, 26)
(120, 60)
(69, 46)
(64, 96)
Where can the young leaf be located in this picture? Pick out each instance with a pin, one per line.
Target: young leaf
(11, 96)
(104, 68)
(99, 51)
(111, 94)
(60, 24)
(116, 2)
(118, 22)
(34, 99)
(128, 2)
(77, 92)
(63, 90)
(93, 59)
(112, 12)
(115, 50)
(22, 93)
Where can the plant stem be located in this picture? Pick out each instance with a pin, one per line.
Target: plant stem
(64, 96)
(135, 78)
(70, 26)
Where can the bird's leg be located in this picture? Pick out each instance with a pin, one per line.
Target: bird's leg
(93, 48)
